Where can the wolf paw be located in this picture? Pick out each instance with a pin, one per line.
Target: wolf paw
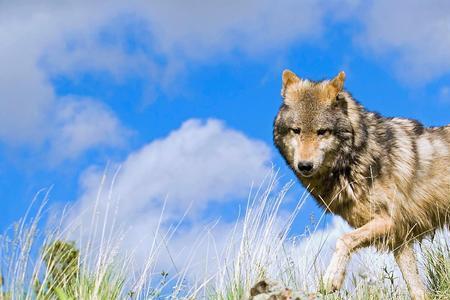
(332, 282)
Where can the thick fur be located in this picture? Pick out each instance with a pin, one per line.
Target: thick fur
(366, 167)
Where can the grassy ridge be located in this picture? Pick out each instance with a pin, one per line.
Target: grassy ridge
(35, 265)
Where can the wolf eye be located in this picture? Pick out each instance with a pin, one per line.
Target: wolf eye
(296, 130)
(323, 131)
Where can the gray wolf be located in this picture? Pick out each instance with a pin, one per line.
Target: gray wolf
(389, 178)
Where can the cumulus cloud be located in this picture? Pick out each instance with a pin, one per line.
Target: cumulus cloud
(45, 39)
(31, 112)
(169, 179)
(202, 29)
(84, 124)
(415, 32)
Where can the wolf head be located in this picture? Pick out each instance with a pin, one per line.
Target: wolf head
(313, 123)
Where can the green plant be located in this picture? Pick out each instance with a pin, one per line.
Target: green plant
(62, 271)
(437, 268)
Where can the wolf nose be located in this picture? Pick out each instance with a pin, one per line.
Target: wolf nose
(305, 166)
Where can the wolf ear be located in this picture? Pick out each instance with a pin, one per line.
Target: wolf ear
(288, 78)
(338, 81)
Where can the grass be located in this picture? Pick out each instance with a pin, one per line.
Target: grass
(437, 268)
(38, 264)
(44, 265)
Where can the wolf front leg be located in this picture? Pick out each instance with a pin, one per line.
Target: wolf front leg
(349, 242)
(407, 263)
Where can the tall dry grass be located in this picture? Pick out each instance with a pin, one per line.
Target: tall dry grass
(37, 264)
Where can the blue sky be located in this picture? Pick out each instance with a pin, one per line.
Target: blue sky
(183, 95)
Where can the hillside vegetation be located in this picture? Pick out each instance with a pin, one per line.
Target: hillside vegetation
(38, 265)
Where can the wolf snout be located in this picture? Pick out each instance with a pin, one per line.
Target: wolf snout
(305, 167)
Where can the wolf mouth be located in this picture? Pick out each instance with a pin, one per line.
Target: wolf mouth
(306, 175)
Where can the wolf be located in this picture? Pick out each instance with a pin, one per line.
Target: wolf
(389, 178)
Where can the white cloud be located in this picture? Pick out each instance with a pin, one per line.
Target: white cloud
(200, 163)
(31, 112)
(200, 29)
(84, 124)
(197, 163)
(416, 32)
(48, 38)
